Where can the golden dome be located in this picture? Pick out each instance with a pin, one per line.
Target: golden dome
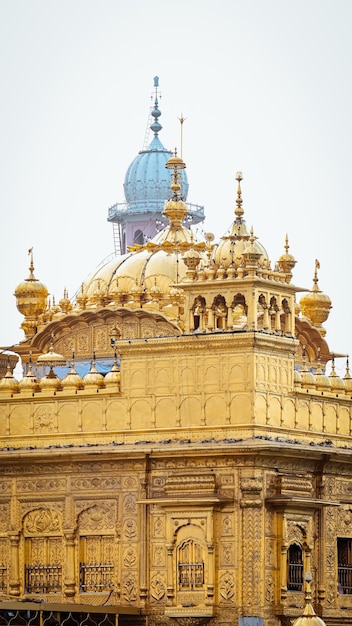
(94, 378)
(309, 616)
(322, 382)
(82, 298)
(29, 382)
(9, 384)
(316, 305)
(31, 300)
(297, 378)
(147, 275)
(286, 261)
(236, 241)
(72, 380)
(337, 384)
(51, 358)
(50, 381)
(146, 271)
(112, 378)
(65, 302)
(307, 377)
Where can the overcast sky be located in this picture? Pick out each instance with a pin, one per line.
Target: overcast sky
(264, 85)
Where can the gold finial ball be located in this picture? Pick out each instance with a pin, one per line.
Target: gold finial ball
(239, 176)
(31, 297)
(175, 188)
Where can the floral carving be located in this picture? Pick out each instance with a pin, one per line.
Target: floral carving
(42, 521)
(130, 528)
(227, 586)
(129, 588)
(130, 503)
(157, 587)
(43, 418)
(129, 557)
(97, 518)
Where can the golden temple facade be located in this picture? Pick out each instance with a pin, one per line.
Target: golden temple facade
(176, 452)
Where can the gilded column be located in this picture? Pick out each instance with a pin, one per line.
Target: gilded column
(70, 581)
(143, 543)
(266, 321)
(283, 571)
(210, 319)
(210, 589)
(252, 545)
(169, 574)
(14, 582)
(230, 318)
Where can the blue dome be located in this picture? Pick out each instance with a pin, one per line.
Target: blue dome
(147, 182)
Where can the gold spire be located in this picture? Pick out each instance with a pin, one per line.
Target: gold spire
(31, 300)
(175, 209)
(316, 305)
(239, 210)
(309, 616)
(286, 261)
(181, 120)
(176, 164)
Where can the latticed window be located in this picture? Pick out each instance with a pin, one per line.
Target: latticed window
(43, 572)
(295, 568)
(344, 565)
(96, 564)
(190, 566)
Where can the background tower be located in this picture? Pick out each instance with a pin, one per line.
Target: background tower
(146, 188)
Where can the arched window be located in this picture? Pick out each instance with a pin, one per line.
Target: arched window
(138, 238)
(220, 312)
(43, 551)
(198, 309)
(96, 550)
(294, 568)
(190, 563)
(96, 564)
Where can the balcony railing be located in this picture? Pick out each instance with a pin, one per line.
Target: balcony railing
(120, 209)
(43, 578)
(95, 578)
(345, 579)
(191, 575)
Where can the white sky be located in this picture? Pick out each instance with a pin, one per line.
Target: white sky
(265, 86)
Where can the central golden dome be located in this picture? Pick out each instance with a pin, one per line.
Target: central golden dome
(156, 266)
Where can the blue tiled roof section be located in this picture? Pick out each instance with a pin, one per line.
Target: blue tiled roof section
(147, 181)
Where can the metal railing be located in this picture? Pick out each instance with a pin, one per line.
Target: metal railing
(190, 575)
(95, 578)
(295, 577)
(345, 579)
(121, 208)
(43, 578)
(3, 577)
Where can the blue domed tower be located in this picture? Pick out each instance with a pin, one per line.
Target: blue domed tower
(147, 187)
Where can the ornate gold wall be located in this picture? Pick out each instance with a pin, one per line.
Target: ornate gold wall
(125, 526)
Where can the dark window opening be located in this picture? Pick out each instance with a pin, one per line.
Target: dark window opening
(344, 565)
(295, 568)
